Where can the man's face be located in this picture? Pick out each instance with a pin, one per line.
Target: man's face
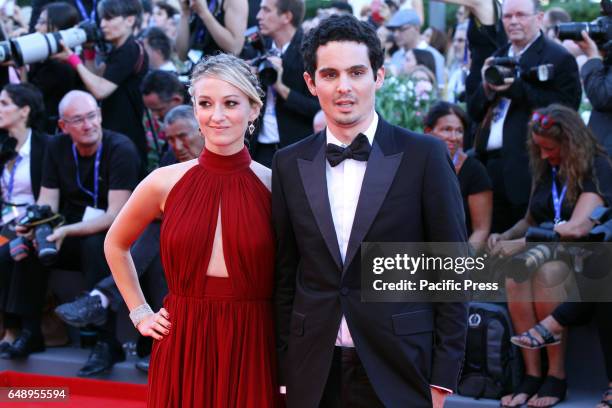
(269, 19)
(159, 107)
(344, 83)
(406, 36)
(521, 22)
(82, 121)
(184, 139)
(117, 28)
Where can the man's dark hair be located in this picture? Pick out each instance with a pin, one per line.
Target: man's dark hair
(159, 41)
(168, 8)
(163, 83)
(341, 28)
(557, 15)
(28, 95)
(60, 16)
(342, 6)
(109, 9)
(295, 7)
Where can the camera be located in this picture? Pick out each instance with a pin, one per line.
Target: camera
(38, 47)
(509, 67)
(43, 220)
(600, 30)
(268, 75)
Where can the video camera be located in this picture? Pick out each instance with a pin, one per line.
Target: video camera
(600, 29)
(43, 220)
(38, 47)
(268, 75)
(509, 67)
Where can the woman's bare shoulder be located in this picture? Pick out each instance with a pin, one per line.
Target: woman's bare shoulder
(163, 179)
(263, 173)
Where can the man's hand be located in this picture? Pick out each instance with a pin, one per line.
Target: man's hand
(58, 236)
(200, 7)
(64, 54)
(588, 46)
(185, 6)
(437, 397)
(281, 89)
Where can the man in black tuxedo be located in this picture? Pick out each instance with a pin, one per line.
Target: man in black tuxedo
(289, 107)
(504, 110)
(395, 186)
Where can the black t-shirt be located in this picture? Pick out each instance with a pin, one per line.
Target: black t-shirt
(119, 170)
(541, 205)
(122, 111)
(473, 179)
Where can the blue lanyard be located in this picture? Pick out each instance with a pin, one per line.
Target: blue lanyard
(11, 183)
(456, 157)
(92, 16)
(93, 195)
(557, 200)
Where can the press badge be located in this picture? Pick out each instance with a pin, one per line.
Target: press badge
(91, 213)
(9, 213)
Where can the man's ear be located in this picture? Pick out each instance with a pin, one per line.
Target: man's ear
(310, 83)
(131, 21)
(380, 77)
(62, 125)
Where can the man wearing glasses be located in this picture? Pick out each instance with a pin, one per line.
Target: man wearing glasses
(88, 175)
(504, 110)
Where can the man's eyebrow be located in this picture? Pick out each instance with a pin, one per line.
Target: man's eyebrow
(352, 68)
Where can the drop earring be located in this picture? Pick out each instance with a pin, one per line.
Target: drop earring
(251, 128)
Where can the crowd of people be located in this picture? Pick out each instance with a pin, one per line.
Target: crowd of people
(140, 142)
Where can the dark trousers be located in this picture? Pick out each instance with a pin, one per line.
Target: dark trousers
(505, 212)
(264, 153)
(348, 384)
(574, 313)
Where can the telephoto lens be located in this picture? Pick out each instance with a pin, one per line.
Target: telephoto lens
(47, 252)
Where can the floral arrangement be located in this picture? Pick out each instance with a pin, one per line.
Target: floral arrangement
(404, 101)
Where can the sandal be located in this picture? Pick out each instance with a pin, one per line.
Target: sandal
(606, 399)
(529, 386)
(548, 338)
(552, 387)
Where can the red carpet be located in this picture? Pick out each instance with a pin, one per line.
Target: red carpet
(83, 392)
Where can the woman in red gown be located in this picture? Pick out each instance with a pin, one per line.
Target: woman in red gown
(214, 336)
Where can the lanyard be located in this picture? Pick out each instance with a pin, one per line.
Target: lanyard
(92, 16)
(93, 195)
(557, 200)
(11, 183)
(456, 157)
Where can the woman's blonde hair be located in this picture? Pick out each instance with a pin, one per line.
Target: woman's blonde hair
(232, 70)
(578, 145)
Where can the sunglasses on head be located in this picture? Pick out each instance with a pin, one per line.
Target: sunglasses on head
(544, 121)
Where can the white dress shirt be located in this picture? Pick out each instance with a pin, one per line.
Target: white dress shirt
(343, 187)
(22, 183)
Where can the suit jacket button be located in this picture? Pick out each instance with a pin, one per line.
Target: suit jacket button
(344, 291)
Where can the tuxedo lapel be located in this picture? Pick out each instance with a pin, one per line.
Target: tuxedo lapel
(377, 180)
(312, 173)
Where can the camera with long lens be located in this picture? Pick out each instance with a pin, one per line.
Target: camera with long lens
(268, 75)
(43, 220)
(502, 68)
(522, 265)
(600, 29)
(37, 47)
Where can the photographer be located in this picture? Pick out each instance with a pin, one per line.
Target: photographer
(54, 78)
(88, 176)
(207, 27)
(289, 106)
(22, 116)
(116, 82)
(503, 110)
(597, 79)
(572, 175)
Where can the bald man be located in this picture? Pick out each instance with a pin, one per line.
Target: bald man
(88, 175)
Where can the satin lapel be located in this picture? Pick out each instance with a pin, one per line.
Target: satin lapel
(315, 184)
(377, 180)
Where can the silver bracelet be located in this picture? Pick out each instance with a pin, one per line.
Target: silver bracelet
(139, 313)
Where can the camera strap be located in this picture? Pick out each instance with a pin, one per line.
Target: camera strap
(557, 200)
(11, 183)
(81, 7)
(93, 194)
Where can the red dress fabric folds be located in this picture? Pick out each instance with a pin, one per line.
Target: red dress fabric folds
(220, 350)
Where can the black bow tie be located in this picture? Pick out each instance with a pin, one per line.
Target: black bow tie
(359, 150)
